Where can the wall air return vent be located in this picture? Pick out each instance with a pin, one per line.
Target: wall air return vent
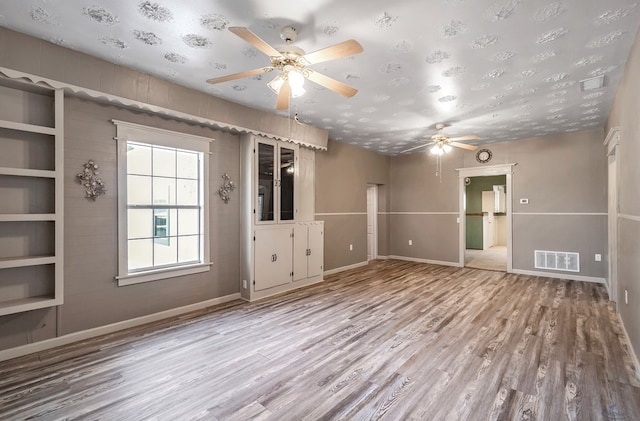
(557, 260)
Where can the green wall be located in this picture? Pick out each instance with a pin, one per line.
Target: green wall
(474, 205)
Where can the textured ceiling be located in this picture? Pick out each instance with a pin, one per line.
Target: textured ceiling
(503, 70)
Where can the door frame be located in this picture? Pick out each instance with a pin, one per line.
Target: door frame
(373, 188)
(611, 142)
(506, 169)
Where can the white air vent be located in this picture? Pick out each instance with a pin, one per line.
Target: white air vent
(558, 260)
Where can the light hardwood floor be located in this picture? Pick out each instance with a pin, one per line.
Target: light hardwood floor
(393, 340)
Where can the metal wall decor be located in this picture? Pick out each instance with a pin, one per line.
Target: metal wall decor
(88, 178)
(227, 188)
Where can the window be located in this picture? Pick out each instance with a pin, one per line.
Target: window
(162, 203)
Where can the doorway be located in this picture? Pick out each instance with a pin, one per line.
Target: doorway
(491, 253)
(372, 222)
(485, 220)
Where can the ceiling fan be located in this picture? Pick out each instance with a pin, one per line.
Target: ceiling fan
(442, 143)
(293, 63)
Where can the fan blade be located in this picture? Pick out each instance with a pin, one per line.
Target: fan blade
(329, 83)
(470, 137)
(256, 41)
(284, 96)
(343, 49)
(416, 147)
(463, 146)
(240, 75)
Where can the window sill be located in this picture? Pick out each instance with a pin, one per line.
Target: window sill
(156, 275)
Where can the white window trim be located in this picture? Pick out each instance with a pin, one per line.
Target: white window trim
(131, 132)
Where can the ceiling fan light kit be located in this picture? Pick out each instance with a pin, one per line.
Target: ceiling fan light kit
(440, 149)
(294, 78)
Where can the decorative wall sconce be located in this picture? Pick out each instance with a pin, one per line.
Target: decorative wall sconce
(89, 179)
(227, 188)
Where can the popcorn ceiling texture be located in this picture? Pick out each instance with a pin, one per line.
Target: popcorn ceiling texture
(503, 70)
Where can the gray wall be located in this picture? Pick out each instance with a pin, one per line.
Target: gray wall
(92, 297)
(424, 207)
(563, 176)
(559, 174)
(625, 114)
(342, 175)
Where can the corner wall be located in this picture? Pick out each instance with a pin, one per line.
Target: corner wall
(625, 114)
(342, 176)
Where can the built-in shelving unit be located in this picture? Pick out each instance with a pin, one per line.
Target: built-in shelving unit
(281, 249)
(31, 187)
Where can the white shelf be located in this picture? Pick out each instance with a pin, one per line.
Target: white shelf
(39, 105)
(26, 304)
(23, 127)
(10, 217)
(23, 172)
(19, 262)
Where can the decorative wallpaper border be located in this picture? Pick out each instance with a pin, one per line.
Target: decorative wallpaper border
(143, 106)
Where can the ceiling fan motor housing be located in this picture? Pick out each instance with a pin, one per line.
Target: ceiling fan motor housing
(288, 34)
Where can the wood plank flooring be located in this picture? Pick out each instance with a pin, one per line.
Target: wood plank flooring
(392, 340)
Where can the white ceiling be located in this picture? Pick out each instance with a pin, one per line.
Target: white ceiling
(505, 69)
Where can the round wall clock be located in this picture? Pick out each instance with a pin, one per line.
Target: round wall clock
(483, 156)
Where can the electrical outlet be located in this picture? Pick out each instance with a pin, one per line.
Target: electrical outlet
(410, 242)
(524, 201)
(350, 247)
(598, 257)
(244, 283)
(626, 296)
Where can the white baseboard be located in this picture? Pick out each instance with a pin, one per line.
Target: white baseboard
(20, 351)
(433, 262)
(558, 275)
(343, 268)
(382, 258)
(634, 356)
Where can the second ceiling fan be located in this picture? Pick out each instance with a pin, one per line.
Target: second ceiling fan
(293, 63)
(441, 143)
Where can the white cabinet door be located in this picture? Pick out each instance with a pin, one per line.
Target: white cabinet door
(266, 182)
(275, 182)
(315, 260)
(300, 246)
(273, 257)
(308, 250)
